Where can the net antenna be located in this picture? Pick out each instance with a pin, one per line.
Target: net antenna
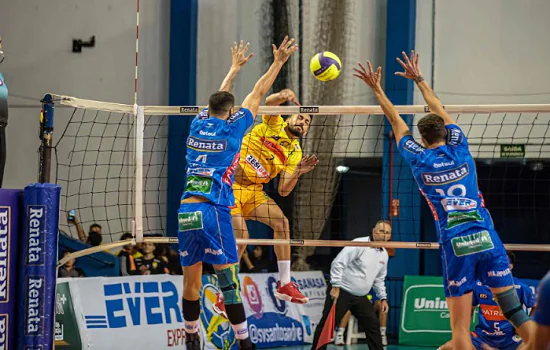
(137, 222)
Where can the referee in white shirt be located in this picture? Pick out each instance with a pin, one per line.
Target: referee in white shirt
(352, 275)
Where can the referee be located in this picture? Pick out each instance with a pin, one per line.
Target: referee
(3, 117)
(352, 275)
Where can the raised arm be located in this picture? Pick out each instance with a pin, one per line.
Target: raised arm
(237, 62)
(281, 97)
(280, 56)
(412, 71)
(372, 79)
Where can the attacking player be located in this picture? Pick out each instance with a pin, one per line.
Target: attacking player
(270, 149)
(444, 169)
(493, 330)
(205, 231)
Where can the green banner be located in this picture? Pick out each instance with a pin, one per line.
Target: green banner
(425, 319)
(67, 334)
(512, 151)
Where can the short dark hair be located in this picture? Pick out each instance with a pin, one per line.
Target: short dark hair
(221, 102)
(126, 235)
(95, 225)
(95, 239)
(432, 128)
(511, 257)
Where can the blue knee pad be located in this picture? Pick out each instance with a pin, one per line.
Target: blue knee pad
(228, 280)
(511, 307)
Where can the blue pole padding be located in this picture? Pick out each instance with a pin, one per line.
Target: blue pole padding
(10, 209)
(47, 111)
(38, 259)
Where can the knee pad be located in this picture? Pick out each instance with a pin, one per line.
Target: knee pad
(228, 280)
(511, 307)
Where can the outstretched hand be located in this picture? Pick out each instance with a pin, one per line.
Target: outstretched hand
(283, 52)
(238, 54)
(370, 77)
(289, 95)
(411, 66)
(307, 164)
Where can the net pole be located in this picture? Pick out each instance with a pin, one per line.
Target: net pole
(46, 138)
(138, 215)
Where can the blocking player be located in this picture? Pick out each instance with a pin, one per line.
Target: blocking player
(445, 171)
(493, 330)
(205, 232)
(541, 316)
(272, 148)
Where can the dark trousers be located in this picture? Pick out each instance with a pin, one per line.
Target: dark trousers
(363, 311)
(2, 152)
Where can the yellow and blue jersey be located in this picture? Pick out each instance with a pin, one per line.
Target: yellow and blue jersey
(493, 328)
(213, 147)
(447, 178)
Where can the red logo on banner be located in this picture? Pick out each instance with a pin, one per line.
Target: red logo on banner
(252, 294)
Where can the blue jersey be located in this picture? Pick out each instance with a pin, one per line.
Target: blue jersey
(213, 149)
(542, 312)
(492, 323)
(447, 178)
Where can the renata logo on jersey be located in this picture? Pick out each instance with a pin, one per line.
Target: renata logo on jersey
(206, 145)
(446, 176)
(258, 167)
(413, 147)
(458, 203)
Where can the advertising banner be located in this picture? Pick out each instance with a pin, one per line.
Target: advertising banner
(144, 312)
(10, 203)
(425, 319)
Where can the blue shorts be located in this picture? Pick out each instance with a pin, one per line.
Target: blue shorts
(505, 342)
(472, 257)
(206, 234)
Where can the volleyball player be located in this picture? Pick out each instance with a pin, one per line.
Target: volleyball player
(272, 148)
(445, 171)
(205, 231)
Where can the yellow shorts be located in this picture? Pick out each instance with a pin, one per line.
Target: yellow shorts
(248, 198)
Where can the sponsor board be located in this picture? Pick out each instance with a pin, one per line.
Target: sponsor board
(512, 151)
(144, 312)
(425, 319)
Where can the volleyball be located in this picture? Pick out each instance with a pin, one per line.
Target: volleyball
(325, 66)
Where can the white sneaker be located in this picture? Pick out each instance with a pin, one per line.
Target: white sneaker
(384, 340)
(339, 339)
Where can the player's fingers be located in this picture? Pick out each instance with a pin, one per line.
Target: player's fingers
(241, 46)
(273, 47)
(412, 59)
(289, 43)
(234, 47)
(416, 60)
(294, 48)
(246, 48)
(284, 42)
(359, 72)
(369, 65)
(406, 58)
(379, 71)
(362, 67)
(358, 76)
(401, 63)
(248, 57)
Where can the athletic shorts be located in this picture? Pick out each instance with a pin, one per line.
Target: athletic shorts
(472, 257)
(205, 234)
(248, 198)
(505, 342)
